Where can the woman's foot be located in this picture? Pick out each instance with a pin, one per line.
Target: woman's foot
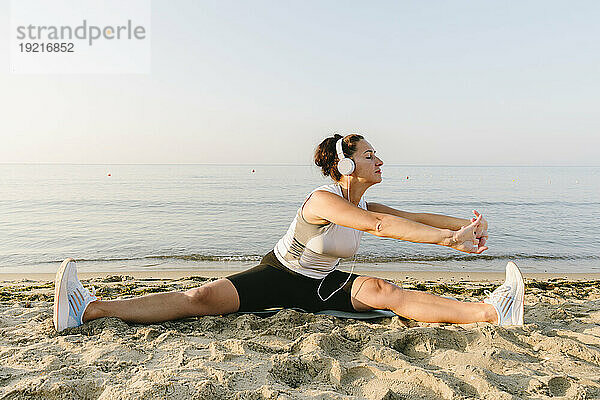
(70, 297)
(509, 298)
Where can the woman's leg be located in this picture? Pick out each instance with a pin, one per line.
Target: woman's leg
(369, 293)
(214, 298)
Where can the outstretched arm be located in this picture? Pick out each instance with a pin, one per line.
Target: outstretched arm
(324, 207)
(435, 220)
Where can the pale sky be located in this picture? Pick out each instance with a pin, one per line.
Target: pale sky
(427, 83)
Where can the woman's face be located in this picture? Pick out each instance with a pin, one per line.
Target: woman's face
(368, 165)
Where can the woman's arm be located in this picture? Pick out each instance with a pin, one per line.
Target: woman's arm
(326, 206)
(435, 220)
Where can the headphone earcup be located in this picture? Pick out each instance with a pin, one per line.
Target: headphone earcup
(345, 166)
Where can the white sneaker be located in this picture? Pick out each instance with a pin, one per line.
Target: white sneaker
(70, 297)
(509, 298)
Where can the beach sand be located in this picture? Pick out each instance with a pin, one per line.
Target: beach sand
(293, 355)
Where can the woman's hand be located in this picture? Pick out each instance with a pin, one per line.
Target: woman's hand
(481, 232)
(465, 239)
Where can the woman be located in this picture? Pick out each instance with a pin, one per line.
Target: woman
(301, 270)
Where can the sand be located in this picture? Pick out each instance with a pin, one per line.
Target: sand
(293, 355)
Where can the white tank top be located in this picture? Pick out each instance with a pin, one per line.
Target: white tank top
(315, 250)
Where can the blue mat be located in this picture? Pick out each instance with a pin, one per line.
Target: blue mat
(359, 315)
(340, 314)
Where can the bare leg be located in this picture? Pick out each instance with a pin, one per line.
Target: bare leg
(369, 293)
(214, 298)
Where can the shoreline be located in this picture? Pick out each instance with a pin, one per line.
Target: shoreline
(443, 276)
(384, 269)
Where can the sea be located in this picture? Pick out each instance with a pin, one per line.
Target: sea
(117, 218)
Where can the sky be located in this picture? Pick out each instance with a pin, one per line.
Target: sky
(263, 82)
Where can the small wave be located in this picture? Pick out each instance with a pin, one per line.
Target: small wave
(185, 257)
(205, 257)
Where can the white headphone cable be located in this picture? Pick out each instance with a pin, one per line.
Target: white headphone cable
(338, 289)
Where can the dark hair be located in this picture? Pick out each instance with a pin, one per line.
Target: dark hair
(326, 155)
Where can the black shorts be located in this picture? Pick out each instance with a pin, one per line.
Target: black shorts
(270, 284)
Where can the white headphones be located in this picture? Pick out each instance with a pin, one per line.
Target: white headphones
(345, 165)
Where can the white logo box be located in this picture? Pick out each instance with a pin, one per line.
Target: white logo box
(80, 36)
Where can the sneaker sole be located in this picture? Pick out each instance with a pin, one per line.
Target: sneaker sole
(518, 310)
(61, 302)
